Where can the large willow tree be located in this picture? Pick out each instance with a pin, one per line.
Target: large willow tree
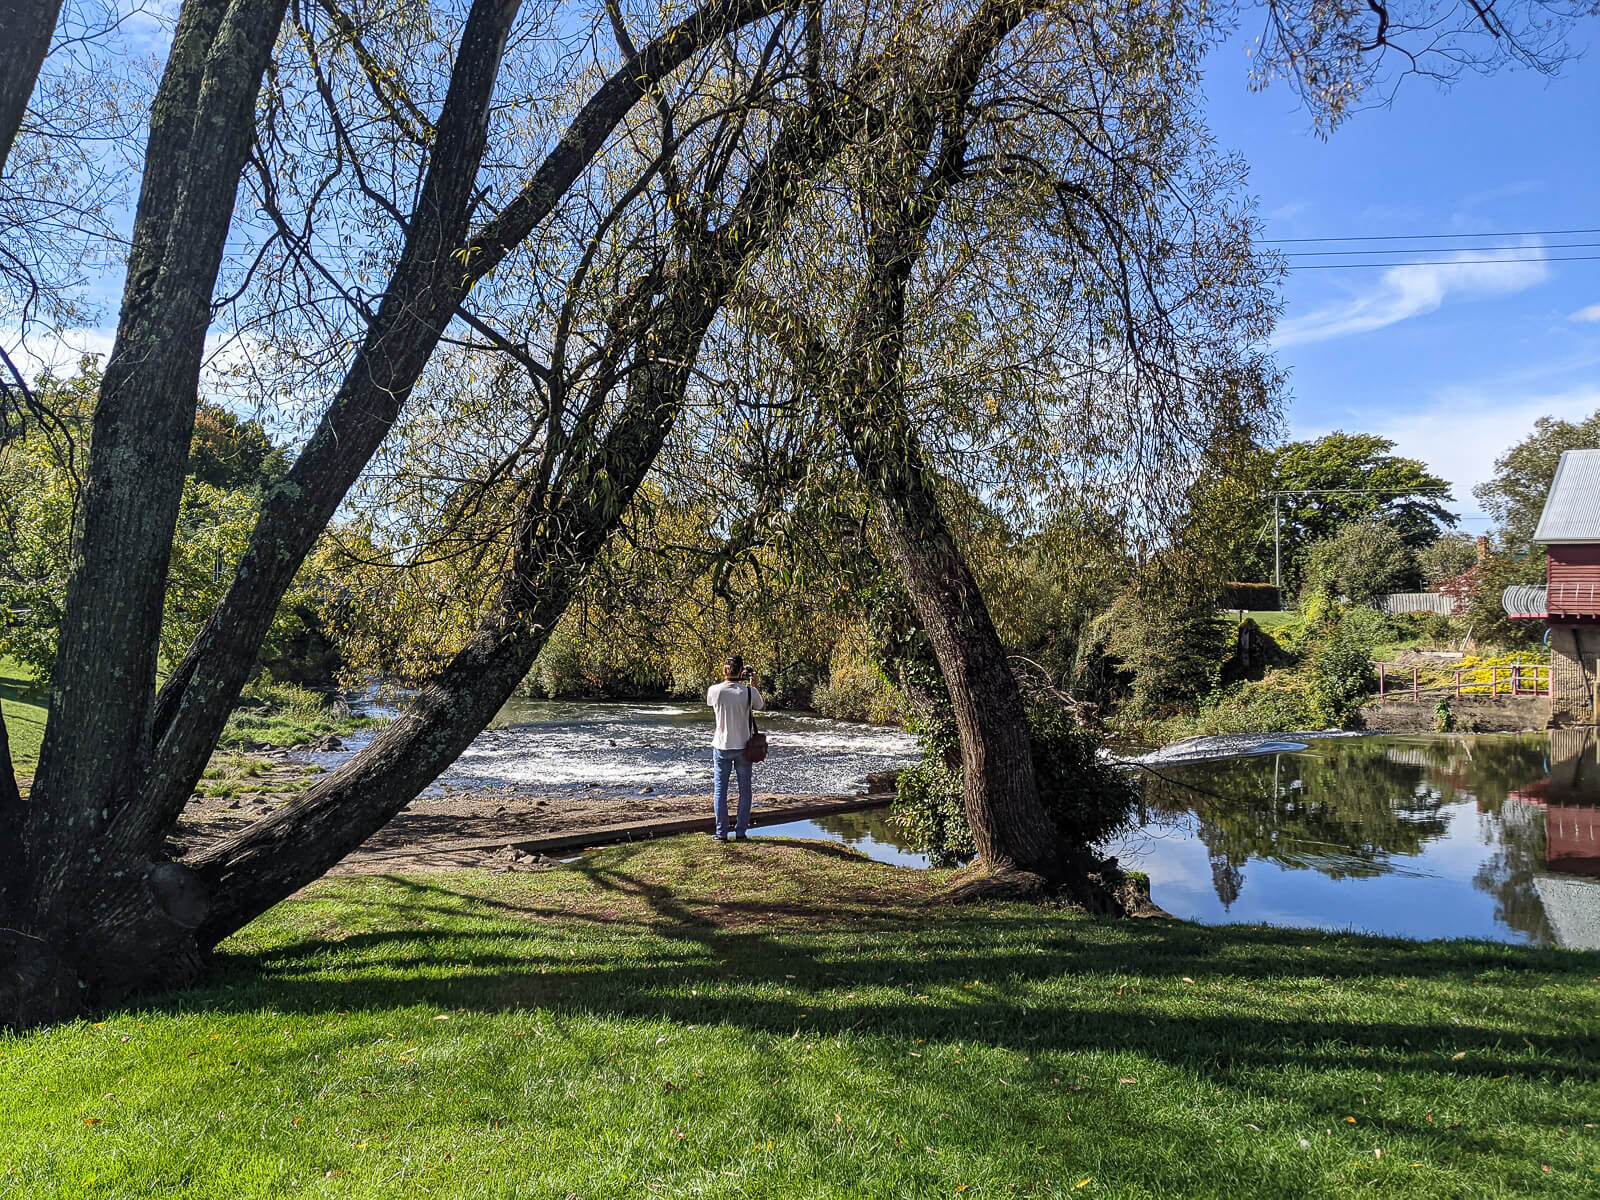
(579, 198)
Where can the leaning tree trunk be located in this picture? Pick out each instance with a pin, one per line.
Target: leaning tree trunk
(25, 30)
(557, 540)
(1009, 826)
(439, 265)
(82, 895)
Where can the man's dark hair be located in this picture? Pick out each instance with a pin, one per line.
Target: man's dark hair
(733, 665)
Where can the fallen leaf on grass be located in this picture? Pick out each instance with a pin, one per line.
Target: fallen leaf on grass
(442, 1017)
(1458, 1056)
(1186, 979)
(1083, 1183)
(91, 1120)
(1349, 1120)
(1129, 1079)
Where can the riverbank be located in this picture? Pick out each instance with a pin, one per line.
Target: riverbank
(454, 828)
(786, 1019)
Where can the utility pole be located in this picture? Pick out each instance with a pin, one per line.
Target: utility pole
(1277, 552)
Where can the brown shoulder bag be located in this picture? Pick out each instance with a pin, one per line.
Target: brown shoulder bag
(756, 748)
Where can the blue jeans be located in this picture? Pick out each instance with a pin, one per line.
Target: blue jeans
(723, 761)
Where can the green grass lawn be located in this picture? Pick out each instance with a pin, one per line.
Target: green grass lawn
(787, 1020)
(24, 715)
(1268, 618)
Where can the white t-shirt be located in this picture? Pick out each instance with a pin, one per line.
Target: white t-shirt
(729, 702)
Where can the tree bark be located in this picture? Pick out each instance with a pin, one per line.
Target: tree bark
(11, 823)
(156, 925)
(96, 738)
(1009, 825)
(25, 29)
(862, 385)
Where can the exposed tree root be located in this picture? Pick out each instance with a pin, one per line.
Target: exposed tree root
(1096, 885)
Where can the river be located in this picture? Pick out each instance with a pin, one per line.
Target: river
(1489, 836)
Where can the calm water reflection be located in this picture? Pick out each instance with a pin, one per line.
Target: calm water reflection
(1492, 837)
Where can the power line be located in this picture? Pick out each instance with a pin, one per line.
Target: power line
(1435, 250)
(1443, 262)
(1424, 237)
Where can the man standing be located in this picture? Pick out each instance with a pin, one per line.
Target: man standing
(733, 700)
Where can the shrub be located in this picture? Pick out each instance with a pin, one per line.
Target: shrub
(560, 668)
(1362, 561)
(1437, 628)
(1174, 651)
(930, 810)
(856, 690)
(1443, 719)
(1088, 797)
(1279, 702)
(1341, 674)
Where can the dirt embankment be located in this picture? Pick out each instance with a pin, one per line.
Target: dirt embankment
(474, 828)
(1472, 714)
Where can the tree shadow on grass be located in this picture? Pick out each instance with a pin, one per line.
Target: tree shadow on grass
(1028, 979)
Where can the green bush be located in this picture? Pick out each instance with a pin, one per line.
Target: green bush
(1088, 797)
(931, 812)
(1341, 675)
(1443, 719)
(856, 690)
(1362, 560)
(1279, 702)
(1173, 651)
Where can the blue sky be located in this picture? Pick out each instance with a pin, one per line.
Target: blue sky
(1454, 363)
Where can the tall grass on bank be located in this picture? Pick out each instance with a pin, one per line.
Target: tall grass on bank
(284, 714)
(787, 1020)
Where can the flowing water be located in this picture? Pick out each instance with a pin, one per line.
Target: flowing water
(563, 748)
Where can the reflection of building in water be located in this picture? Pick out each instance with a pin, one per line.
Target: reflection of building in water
(1570, 803)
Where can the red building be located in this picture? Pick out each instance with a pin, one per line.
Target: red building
(1570, 599)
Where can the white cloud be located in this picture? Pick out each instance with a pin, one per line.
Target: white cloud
(1460, 431)
(1592, 313)
(56, 351)
(1410, 291)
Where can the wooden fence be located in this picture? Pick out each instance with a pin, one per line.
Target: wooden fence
(1413, 683)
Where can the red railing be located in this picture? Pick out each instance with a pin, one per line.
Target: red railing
(1512, 679)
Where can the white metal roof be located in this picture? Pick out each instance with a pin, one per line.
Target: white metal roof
(1572, 510)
